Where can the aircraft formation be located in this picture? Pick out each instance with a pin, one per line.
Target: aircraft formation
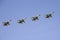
(21, 21)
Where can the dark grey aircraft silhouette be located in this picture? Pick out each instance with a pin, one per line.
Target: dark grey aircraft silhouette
(49, 15)
(21, 21)
(35, 18)
(6, 23)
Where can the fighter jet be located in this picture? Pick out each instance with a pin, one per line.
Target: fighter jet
(35, 18)
(49, 15)
(21, 21)
(6, 23)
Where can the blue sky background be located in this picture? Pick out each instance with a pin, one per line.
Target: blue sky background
(43, 29)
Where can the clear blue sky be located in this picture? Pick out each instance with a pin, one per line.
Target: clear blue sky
(43, 29)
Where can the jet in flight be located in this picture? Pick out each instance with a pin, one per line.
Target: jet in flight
(49, 15)
(21, 21)
(6, 23)
(35, 18)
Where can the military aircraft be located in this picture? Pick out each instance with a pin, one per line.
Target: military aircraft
(21, 21)
(6, 23)
(49, 15)
(35, 18)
